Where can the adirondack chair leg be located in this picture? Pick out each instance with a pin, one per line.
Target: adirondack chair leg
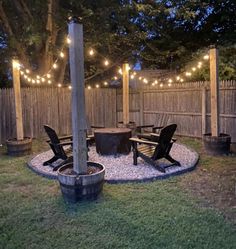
(135, 153)
(50, 161)
(172, 160)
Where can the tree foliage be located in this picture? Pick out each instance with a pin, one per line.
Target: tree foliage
(161, 34)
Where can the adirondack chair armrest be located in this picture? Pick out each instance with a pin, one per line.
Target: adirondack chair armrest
(140, 127)
(65, 137)
(156, 128)
(64, 143)
(97, 126)
(141, 141)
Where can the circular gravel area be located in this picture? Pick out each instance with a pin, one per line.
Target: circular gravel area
(120, 169)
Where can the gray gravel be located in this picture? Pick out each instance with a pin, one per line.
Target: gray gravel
(121, 169)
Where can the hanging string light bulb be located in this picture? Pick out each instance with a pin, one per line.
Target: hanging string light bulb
(62, 55)
(91, 52)
(106, 62)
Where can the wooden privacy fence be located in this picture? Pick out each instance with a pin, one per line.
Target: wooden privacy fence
(187, 105)
(52, 106)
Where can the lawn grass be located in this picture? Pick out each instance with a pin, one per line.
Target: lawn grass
(162, 214)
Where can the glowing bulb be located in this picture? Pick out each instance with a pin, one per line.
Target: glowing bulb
(134, 73)
(48, 75)
(105, 83)
(177, 78)
(21, 72)
(68, 40)
(49, 81)
(27, 71)
(145, 81)
(59, 85)
(38, 81)
(120, 71)
(97, 86)
(194, 69)
(70, 87)
(153, 84)
(140, 78)
(206, 57)
(38, 77)
(42, 79)
(169, 84)
(33, 81)
(181, 80)
(106, 62)
(89, 87)
(155, 81)
(62, 55)
(54, 66)
(91, 52)
(115, 78)
(132, 76)
(188, 74)
(29, 80)
(161, 85)
(199, 65)
(170, 80)
(25, 76)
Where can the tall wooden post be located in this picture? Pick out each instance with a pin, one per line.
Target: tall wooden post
(125, 70)
(17, 98)
(214, 78)
(76, 53)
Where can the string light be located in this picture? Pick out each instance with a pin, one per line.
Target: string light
(131, 76)
(115, 78)
(54, 66)
(140, 78)
(33, 81)
(62, 55)
(91, 52)
(106, 62)
(59, 85)
(161, 85)
(49, 81)
(120, 71)
(105, 83)
(181, 80)
(145, 81)
(97, 86)
(42, 79)
(48, 75)
(70, 87)
(170, 81)
(27, 71)
(177, 78)
(169, 84)
(206, 57)
(89, 87)
(68, 40)
(193, 69)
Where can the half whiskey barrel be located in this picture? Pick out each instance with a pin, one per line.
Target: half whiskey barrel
(19, 147)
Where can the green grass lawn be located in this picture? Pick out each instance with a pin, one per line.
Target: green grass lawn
(162, 214)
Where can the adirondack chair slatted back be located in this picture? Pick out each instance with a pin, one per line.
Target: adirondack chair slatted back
(55, 142)
(164, 141)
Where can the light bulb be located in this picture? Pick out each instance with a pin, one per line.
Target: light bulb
(161, 85)
(59, 85)
(48, 75)
(33, 81)
(132, 76)
(27, 71)
(91, 52)
(115, 78)
(68, 40)
(97, 86)
(62, 55)
(120, 71)
(177, 78)
(170, 80)
(105, 83)
(194, 69)
(42, 79)
(89, 87)
(106, 62)
(206, 57)
(70, 87)
(49, 81)
(54, 66)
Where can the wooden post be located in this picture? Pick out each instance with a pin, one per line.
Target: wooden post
(204, 99)
(76, 52)
(141, 107)
(17, 98)
(125, 70)
(214, 78)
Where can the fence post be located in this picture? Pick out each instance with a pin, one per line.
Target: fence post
(204, 105)
(214, 92)
(17, 97)
(125, 70)
(76, 51)
(141, 107)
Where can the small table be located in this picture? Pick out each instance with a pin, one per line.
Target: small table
(112, 141)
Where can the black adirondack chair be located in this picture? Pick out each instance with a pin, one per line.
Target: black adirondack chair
(152, 151)
(57, 145)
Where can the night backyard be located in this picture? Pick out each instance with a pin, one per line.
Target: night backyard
(118, 124)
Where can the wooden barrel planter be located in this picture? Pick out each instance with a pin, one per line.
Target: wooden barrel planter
(217, 145)
(19, 147)
(76, 188)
